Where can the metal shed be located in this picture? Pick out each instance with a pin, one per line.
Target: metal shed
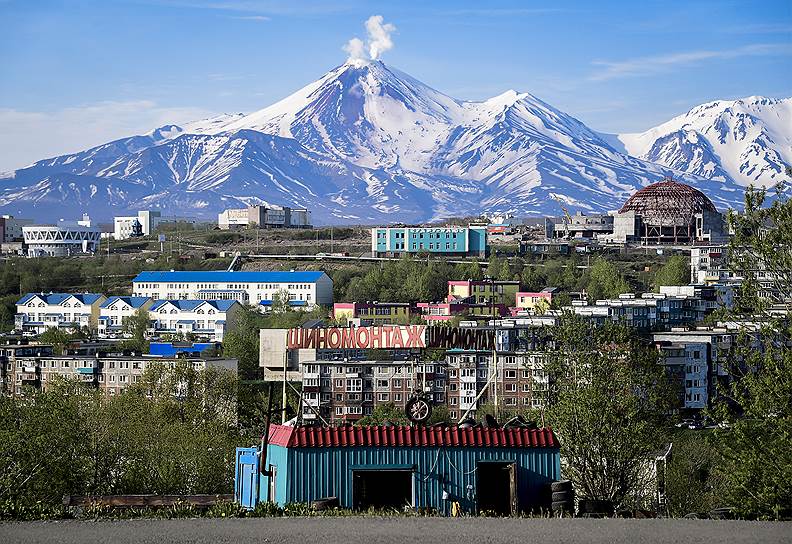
(504, 471)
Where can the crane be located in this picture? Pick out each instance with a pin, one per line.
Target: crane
(568, 221)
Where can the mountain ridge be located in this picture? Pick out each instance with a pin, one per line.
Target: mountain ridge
(364, 143)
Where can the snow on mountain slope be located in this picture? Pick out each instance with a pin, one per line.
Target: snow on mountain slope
(747, 140)
(364, 143)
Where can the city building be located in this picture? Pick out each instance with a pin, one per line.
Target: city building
(35, 367)
(264, 217)
(209, 319)
(255, 288)
(11, 228)
(544, 248)
(696, 362)
(433, 312)
(346, 372)
(656, 311)
(448, 240)
(536, 302)
(668, 212)
(373, 313)
(142, 224)
(37, 312)
(113, 312)
(62, 239)
(504, 471)
(483, 291)
(579, 226)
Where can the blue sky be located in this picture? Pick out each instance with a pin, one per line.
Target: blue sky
(79, 73)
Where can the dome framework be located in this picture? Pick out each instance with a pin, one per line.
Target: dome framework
(669, 212)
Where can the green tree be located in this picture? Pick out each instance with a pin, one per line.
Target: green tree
(692, 479)
(137, 326)
(676, 271)
(755, 458)
(605, 281)
(608, 401)
(385, 413)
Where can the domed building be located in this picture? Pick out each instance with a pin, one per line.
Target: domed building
(668, 212)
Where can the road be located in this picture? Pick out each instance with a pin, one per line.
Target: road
(397, 531)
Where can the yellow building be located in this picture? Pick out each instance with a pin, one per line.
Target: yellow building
(483, 291)
(373, 313)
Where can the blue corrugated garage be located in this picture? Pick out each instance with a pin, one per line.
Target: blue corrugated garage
(503, 471)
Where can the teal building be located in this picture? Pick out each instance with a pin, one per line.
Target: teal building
(448, 240)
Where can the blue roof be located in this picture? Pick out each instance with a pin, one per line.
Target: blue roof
(58, 298)
(186, 321)
(225, 276)
(168, 348)
(291, 303)
(135, 302)
(189, 305)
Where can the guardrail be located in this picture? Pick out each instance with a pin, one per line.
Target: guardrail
(144, 500)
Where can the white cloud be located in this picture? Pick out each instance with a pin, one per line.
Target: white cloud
(378, 40)
(257, 18)
(644, 66)
(28, 136)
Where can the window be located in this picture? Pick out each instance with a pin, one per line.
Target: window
(354, 385)
(511, 374)
(511, 387)
(339, 383)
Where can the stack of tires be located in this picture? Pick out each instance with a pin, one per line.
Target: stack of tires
(563, 498)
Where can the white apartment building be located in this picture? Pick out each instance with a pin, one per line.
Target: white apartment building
(306, 289)
(123, 227)
(62, 239)
(37, 312)
(113, 312)
(209, 319)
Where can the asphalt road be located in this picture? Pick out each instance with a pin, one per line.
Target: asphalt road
(397, 530)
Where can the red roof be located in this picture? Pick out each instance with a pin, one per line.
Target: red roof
(327, 437)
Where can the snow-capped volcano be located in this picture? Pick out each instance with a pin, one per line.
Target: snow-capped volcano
(748, 141)
(365, 143)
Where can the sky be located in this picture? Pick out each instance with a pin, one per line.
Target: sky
(74, 74)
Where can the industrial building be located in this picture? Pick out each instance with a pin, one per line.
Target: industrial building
(264, 217)
(448, 240)
(62, 239)
(256, 288)
(579, 225)
(668, 212)
(142, 224)
(37, 312)
(11, 228)
(504, 471)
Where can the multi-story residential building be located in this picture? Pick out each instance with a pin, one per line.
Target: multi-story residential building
(113, 312)
(711, 265)
(374, 313)
(111, 374)
(448, 240)
(696, 361)
(142, 224)
(483, 291)
(9, 353)
(256, 288)
(209, 319)
(62, 239)
(37, 312)
(264, 217)
(653, 311)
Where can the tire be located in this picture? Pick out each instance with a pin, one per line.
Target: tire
(561, 485)
(563, 496)
(325, 504)
(561, 506)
